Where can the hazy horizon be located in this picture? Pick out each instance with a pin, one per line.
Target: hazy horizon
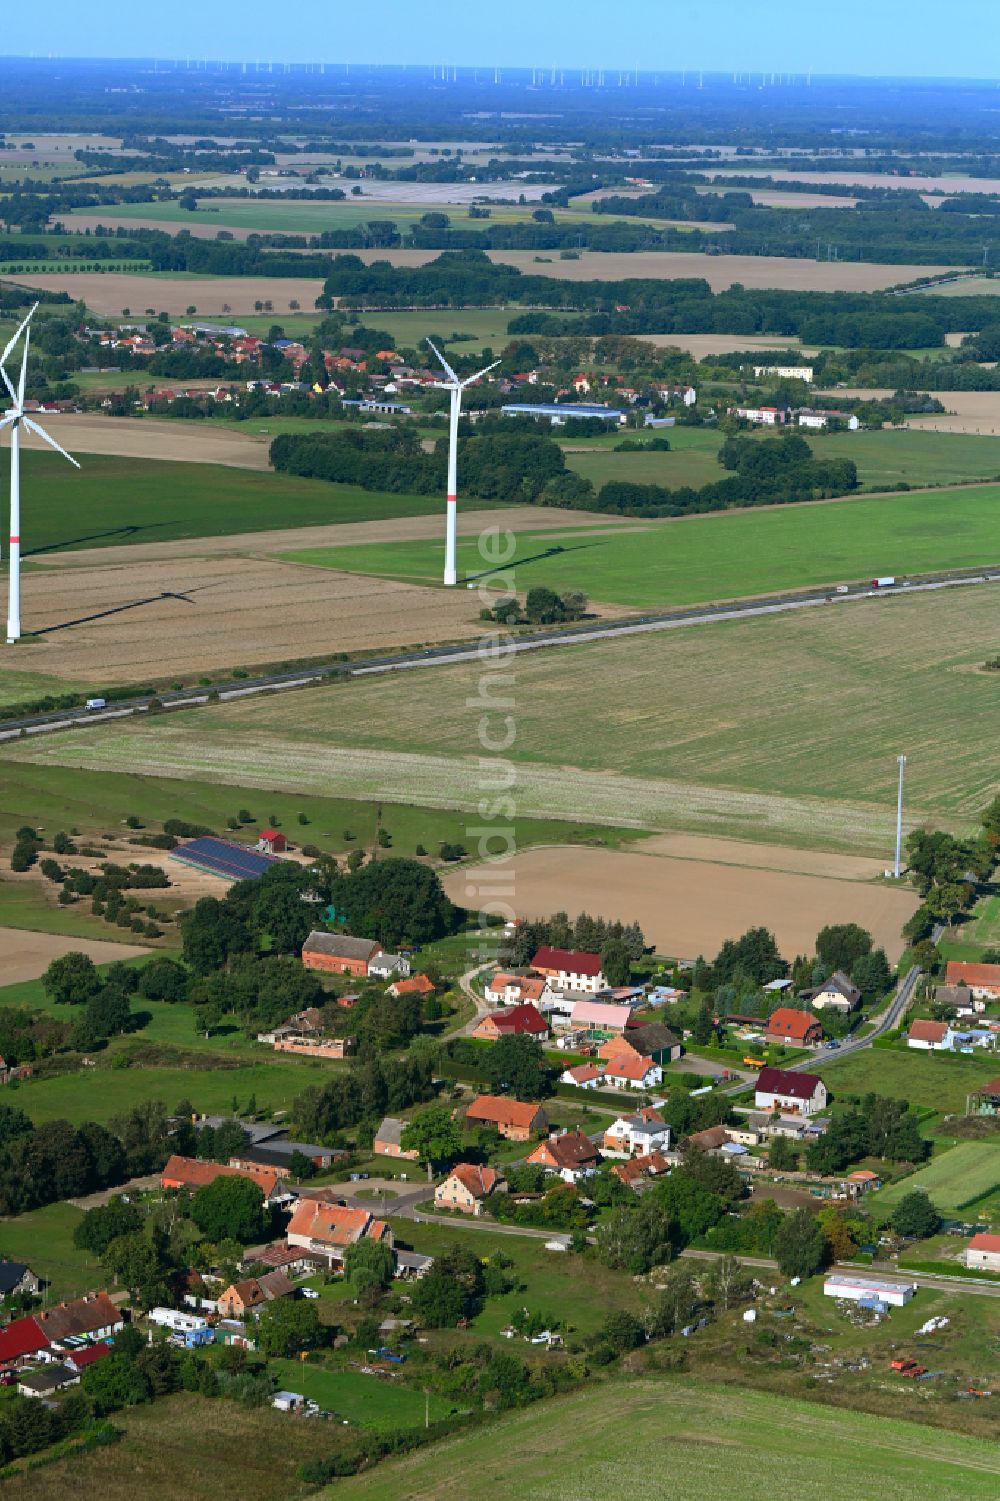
(898, 39)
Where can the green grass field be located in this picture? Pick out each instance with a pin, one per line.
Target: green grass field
(953, 1180)
(722, 556)
(936, 1080)
(884, 459)
(117, 500)
(622, 1441)
(718, 728)
(184, 1447)
(44, 1239)
(55, 797)
(365, 1400)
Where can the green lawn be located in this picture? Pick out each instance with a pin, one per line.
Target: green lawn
(639, 1440)
(19, 687)
(721, 556)
(937, 1080)
(116, 500)
(984, 927)
(44, 1239)
(24, 905)
(953, 1179)
(370, 1401)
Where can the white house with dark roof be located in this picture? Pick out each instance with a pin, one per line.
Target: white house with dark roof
(837, 993)
(789, 1092)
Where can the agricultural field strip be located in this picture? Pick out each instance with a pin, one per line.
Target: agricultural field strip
(957, 1177)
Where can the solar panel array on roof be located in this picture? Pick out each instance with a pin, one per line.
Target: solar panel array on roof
(221, 857)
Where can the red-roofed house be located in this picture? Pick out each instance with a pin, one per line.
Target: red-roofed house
(584, 1076)
(569, 969)
(982, 979)
(639, 1170)
(930, 1036)
(515, 990)
(514, 1021)
(413, 985)
(625, 1070)
(467, 1187)
(515, 1119)
(326, 1230)
(983, 1252)
(789, 1092)
(797, 1029)
(573, 1156)
(81, 1359)
(272, 842)
(21, 1337)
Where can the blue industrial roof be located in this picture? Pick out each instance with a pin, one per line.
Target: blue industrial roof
(556, 409)
(224, 858)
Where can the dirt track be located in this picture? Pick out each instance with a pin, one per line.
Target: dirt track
(689, 907)
(145, 438)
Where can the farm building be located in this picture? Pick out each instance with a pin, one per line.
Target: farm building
(338, 954)
(271, 842)
(561, 413)
(598, 1020)
(515, 1119)
(223, 858)
(982, 979)
(569, 969)
(797, 1029)
(983, 1253)
(653, 1042)
(191, 1174)
(388, 1140)
(789, 1092)
(412, 985)
(868, 1289)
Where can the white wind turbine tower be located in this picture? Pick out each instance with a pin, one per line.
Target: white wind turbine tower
(455, 387)
(15, 418)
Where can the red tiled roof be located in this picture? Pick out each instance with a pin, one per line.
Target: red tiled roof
(480, 1181)
(984, 1241)
(189, 1172)
(571, 1150)
(499, 1111)
(927, 1031)
(629, 1067)
(87, 1356)
(333, 1224)
(21, 1337)
(791, 1023)
(961, 972)
(514, 1020)
(572, 961)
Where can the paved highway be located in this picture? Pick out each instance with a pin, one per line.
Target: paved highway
(439, 656)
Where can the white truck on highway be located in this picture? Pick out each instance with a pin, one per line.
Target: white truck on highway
(883, 583)
(96, 703)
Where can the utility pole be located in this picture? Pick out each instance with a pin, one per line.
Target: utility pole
(901, 761)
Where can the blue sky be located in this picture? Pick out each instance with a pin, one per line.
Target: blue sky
(894, 37)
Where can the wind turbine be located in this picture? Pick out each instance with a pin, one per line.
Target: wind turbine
(14, 418)
(455, 387)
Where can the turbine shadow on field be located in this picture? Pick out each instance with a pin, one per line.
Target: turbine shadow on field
(135, 604)
(117, 531)
(535, 557)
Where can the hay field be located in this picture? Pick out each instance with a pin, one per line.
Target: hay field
(699, 345)
(710, 1441)
(140, 621)
(965, 412)
(688, 907)
(781, 729)
(146, 438)
(213, 296)
(957, 1177)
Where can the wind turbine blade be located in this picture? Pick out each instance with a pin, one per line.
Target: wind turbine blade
(471, 380)
(8, 419)
(14, 337)
(450, 372)
(6, 381)
(24, 369)
(40, 431)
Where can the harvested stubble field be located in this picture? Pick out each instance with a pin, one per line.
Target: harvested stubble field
(781, 728)
(689, 906)
(720, 271)
(956, 1178)
(128, 621)
(143, 438)
(109, 293)
(711, 1441)
(732, 555)
(28, 955)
